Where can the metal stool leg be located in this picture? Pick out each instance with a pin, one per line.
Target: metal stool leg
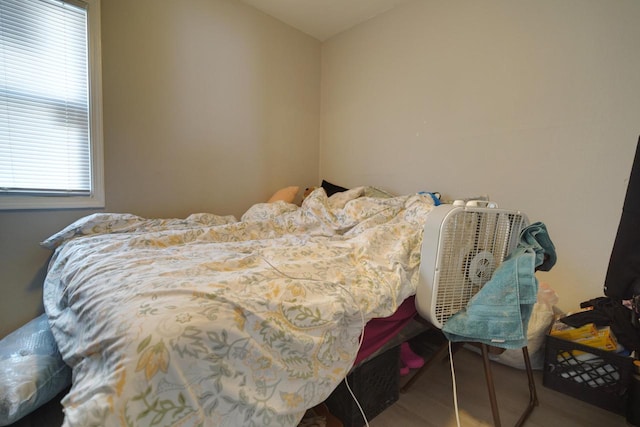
(490, 386)
(533, 397)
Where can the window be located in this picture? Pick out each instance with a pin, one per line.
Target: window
(50, 104)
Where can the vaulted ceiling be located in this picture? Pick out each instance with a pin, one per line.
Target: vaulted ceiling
(323, 19)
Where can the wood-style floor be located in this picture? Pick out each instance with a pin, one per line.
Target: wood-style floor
(429, 401)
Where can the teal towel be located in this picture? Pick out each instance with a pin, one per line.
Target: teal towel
(499, 313)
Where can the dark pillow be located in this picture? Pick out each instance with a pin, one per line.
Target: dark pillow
(331, 189)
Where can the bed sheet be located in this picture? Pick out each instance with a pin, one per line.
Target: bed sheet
(217, 322)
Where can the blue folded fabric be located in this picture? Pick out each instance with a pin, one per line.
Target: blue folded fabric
(536, 238)
(499, 313)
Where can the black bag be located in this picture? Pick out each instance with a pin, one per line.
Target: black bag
(623, 274)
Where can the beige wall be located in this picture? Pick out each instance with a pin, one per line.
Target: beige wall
(209, 106)
(535, 103)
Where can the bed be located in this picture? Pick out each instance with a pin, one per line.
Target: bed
(210, 320)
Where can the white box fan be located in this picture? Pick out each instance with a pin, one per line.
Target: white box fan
(463, 244)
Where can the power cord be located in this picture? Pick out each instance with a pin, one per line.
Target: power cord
(455, 390)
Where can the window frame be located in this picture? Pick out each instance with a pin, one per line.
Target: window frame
(96, 198)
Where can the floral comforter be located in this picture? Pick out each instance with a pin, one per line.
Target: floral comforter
(210, 321)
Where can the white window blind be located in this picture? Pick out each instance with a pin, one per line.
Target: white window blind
(45, 105)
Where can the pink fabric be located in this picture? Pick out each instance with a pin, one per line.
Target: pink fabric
(380, 330)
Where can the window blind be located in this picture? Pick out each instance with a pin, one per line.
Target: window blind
(44, 98)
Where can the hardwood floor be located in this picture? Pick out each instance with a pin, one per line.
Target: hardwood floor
(429, 401)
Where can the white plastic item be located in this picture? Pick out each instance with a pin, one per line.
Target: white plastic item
(462, 246)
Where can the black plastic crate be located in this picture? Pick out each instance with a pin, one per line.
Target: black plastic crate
(601, 378)
(375, 384)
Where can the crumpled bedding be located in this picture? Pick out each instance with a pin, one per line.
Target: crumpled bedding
(210, 321)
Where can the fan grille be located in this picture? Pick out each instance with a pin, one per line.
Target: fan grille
(472, 245)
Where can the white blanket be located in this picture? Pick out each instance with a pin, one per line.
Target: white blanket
(210, 321)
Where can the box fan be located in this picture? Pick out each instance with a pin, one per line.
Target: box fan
(463, 244)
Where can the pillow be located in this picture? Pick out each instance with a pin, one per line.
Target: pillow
(32, 371)
(287, 194)
(331, 189)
